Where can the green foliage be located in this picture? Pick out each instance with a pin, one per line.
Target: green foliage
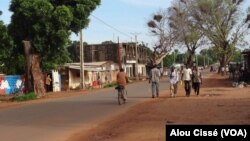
(74, 49)
(48, 25)
(110, 85)
(26, 97)
(211, 54)
(174, 58)
(168, 60)
(80, 9)
(236, 56)
(107, 42)
(222, 22)
(6, 47)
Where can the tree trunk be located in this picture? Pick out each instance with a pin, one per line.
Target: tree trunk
(190, 58)
(223, 63)
(28, 57)
(38, 77)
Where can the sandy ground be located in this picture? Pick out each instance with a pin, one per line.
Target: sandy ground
(218, 103)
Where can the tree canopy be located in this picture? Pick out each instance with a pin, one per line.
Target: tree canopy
(221, 24)
(167, 37)
(48, 25)
(6, 47)
(189, 36)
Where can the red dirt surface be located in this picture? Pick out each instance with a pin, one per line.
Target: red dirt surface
(218, 103)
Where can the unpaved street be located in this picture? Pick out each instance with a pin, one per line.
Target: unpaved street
(95, 115)
(219, 103)
(56, 119)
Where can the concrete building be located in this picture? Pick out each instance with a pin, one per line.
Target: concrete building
(124, 54)
(70, 74)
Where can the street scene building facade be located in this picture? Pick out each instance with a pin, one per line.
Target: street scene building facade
(102, 63)
(94, 73)
(124, 54)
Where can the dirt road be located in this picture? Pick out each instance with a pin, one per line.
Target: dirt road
(219, 103)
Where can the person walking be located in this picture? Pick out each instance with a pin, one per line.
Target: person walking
(197, 80)
(174, 79)
(186, 77)
(154, 79)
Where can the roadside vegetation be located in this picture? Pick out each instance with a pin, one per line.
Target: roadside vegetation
(25, 97)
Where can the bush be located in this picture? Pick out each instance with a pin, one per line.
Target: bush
(26, 97)
(109, 85)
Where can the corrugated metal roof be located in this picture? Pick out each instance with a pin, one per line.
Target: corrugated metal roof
(87, 68)
(87, 64)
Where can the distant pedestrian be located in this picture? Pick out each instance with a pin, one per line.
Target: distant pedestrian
(186, 77)
(48, 82)
(154, 80)
(197, 80)
(99, 80)
(227, 70)
(211, 69)
(222, 70)
(174, 79)
(106, 80)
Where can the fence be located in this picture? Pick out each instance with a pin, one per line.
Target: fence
(10, 83)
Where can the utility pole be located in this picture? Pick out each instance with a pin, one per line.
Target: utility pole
(204, 61)
(81, 62)
(119, 53)
(136, 56)
(197, 60)
(174, 57)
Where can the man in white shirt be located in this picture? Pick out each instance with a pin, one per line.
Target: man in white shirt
(174, 79)
(186, 77)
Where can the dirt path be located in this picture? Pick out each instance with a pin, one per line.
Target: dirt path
(219, 103)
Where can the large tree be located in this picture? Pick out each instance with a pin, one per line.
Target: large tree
(47, 25)
(6, 47)
(190, 37)
(223, 23)
(166, 37)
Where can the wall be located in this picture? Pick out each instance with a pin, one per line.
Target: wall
(11, 83)
(90, 77)
(141, 69)
(56, 83)
(74, 78)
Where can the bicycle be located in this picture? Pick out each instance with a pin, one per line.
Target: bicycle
(122, 93)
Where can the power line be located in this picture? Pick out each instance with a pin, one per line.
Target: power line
(110, 26)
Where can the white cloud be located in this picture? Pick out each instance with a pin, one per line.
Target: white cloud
(148, 3)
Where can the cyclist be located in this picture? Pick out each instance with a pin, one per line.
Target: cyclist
(122, 80)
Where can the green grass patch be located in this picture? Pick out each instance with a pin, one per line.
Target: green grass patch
(109, 85)
(25, 97)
